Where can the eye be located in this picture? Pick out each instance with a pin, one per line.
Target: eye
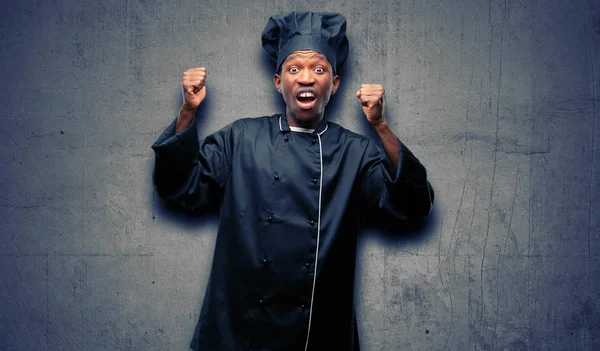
(293, 69)
(319, 69)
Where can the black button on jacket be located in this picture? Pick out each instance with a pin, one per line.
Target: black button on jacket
(260, 295)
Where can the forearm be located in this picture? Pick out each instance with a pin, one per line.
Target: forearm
(186, 115)
(389, 141)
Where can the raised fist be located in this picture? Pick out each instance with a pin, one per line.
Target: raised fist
(371, 99)
(193, 85)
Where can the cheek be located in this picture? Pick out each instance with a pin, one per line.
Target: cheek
(285, 88)
(327, 84)
(326, 92)
(287, 96)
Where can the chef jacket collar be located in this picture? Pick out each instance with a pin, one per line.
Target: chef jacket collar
(284, 127)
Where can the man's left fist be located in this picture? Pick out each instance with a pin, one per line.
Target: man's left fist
(371, 99)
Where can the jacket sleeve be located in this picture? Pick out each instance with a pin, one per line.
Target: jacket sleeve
(403, 193)
(189, 172)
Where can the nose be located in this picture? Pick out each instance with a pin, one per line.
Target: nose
(306, 77)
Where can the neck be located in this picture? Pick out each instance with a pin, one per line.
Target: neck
(312, 123)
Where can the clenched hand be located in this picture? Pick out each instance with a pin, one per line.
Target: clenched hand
(193, 86)
(371, 99)
(194, 89)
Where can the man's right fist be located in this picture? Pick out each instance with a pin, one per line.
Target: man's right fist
(194, 90)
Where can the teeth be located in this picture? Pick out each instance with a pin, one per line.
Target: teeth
(306, 95)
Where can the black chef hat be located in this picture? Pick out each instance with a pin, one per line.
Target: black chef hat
(301, 30)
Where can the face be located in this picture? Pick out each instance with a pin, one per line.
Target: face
(306, 82)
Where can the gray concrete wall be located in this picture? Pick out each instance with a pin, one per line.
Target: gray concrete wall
(499, 99)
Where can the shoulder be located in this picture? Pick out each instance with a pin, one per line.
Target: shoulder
(255, 123)
(244, 128)
(252, 125)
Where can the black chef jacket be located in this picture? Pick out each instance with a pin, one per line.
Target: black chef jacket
(290, 203)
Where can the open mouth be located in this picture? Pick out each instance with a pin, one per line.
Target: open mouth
(306, 99)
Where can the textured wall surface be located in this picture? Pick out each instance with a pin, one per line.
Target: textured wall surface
(499, 99)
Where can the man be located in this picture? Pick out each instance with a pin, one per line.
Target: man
(291, 189)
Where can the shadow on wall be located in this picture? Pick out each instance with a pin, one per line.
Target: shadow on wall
(268, 69)
(413, 233)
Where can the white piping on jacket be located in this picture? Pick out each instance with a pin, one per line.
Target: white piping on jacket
(312, 296)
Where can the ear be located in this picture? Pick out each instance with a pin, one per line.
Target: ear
(277, 82)
(336, 84)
